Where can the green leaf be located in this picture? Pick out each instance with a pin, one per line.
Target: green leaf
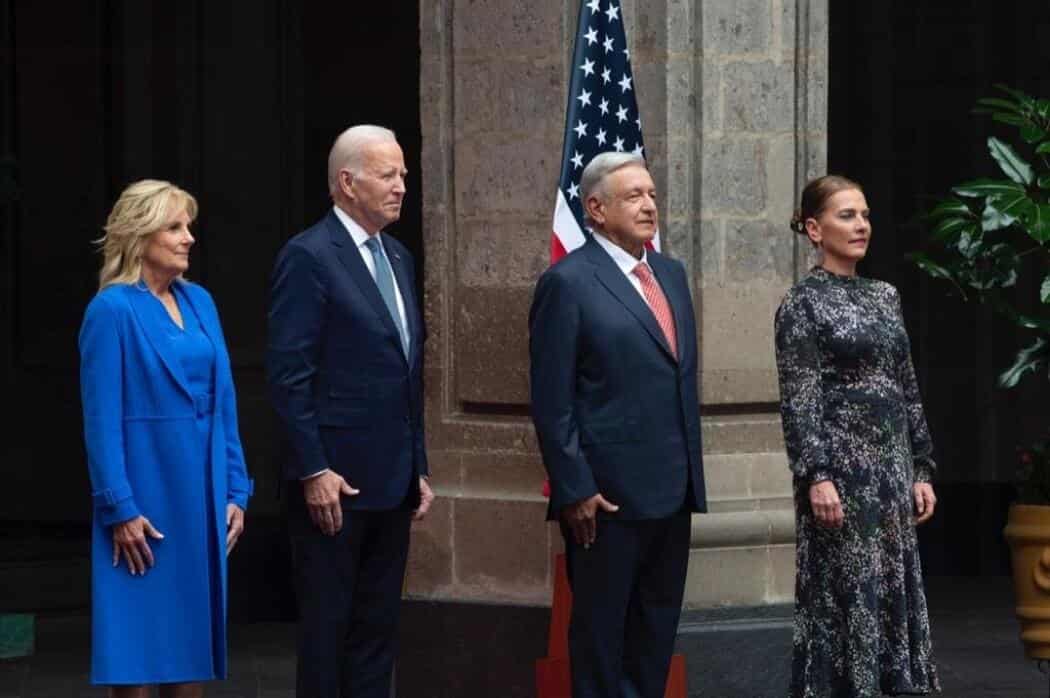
(1027, 360)
(992, 218)
(987, 187)
(996, 102)
(1044, 290)
(950, 227)
(1037, 222)
(1010, 162)
(929, 266)
(1015, 204)
(1031, 322)
(1044, 181)
(1023, 100)
(1043, 148)
(950, 207)
(1032, 133)
(1011, 119)
(992, 268)
(969, 243)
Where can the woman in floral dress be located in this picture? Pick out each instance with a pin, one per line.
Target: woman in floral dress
(860, 451)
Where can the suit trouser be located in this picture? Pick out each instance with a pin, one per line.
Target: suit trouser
(627, 600)
(349, 593)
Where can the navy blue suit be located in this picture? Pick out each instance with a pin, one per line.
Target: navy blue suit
(352, 401)
(616, 413)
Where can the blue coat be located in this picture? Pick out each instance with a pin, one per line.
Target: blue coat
(614, 411)
(156, 449)
(349, 397)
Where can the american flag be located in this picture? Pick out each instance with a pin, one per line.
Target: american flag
(602, 114)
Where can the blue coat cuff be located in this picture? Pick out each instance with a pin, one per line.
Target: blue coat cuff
(240, 496)
(115, 505)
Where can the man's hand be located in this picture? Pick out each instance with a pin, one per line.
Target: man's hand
(322, 495)
(925, 501)
(580, 517)
(234, 525)
(824, 501)
(426, 498)
(129, 540)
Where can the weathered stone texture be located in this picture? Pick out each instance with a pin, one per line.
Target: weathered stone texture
(430, 553)
(736, 26)
(734, 176)
(492, 355)
(732, 96)
(758, 251)
(497, 175)
(502, 549)
(760, 98)
(503, 253)
(514, 95)
(499, 29)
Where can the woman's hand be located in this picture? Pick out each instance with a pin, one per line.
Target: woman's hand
(129, 541)
(234, 525)
(824, 501)
(925, 501)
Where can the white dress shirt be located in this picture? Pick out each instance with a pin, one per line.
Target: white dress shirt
(360, 237)
(625, 260)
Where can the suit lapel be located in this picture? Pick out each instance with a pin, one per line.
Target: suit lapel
(142, 305)
(664, 274)
(408, 297)
(348, 254)
(617, 284)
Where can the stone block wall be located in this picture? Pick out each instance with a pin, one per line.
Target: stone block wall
(731, 94)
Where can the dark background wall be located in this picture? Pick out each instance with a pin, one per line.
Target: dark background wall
(904, 76)
(237, 101)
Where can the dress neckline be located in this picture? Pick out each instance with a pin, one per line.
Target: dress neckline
(820, 271)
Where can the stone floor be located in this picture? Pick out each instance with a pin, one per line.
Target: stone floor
(975, 637)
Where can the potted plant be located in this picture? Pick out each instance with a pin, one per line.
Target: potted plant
(985, 236)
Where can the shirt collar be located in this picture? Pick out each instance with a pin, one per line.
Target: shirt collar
(357, 233)
(622, 257)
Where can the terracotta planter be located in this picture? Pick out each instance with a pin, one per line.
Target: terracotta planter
(1028, 534)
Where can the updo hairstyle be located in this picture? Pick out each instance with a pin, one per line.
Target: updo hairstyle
(815, 198)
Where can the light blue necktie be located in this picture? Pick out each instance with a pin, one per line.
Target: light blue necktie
(385, 281)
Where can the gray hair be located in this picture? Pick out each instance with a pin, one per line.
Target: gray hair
(347, 151)
(600, 167)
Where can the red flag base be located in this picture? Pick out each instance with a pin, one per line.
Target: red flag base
(552, 672)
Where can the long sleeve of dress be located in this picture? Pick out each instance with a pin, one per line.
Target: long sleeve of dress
(101, 391)
(918, 431)
(801, 393)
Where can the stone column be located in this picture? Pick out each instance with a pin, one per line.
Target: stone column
(732, 100)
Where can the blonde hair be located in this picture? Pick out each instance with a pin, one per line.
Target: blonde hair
(142, 209)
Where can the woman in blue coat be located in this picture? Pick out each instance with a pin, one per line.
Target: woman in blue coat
(169, 482)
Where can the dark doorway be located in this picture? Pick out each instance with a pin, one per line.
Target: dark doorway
(237, 101)
(904, 77)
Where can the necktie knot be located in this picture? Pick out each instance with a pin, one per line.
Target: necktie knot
(643, 272)
(372, 243)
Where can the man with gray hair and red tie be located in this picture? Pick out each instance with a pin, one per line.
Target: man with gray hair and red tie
(616, 409)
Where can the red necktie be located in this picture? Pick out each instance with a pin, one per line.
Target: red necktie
(658, 304)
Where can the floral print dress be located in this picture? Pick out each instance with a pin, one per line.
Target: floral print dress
(852, 414)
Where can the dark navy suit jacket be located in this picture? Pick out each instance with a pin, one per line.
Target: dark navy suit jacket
(348, 396)
(614, 411)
